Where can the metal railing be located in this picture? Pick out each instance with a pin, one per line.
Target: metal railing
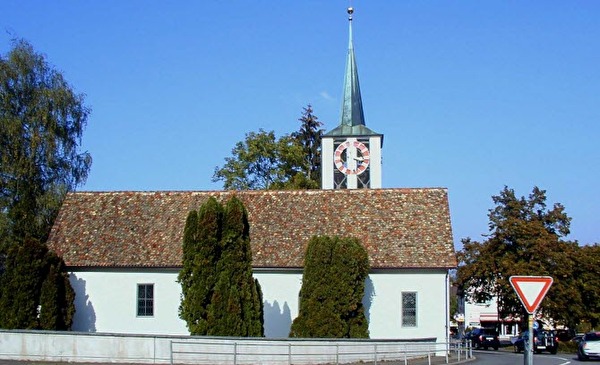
(253, 351)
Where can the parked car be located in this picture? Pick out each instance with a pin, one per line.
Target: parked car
(589, 346)
(542, 341)
(483, 338)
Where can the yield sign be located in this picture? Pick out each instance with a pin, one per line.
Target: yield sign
(531, 290)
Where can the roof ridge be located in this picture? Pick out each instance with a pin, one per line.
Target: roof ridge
(261, 192)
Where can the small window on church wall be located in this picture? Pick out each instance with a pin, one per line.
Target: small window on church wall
(145, 300)
(409, 309)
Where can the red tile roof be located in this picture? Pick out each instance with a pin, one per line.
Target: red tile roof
(401, 228)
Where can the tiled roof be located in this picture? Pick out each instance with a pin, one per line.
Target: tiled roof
(401, 228)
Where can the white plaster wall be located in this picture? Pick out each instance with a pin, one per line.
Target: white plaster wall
(375, 164)
(280, 300)
(106, 301)
(327, 163)
(385, 311)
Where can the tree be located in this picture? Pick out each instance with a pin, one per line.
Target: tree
(259, 162)
(333, 283)
(588, 282)
(236, 305)
(525, 239)
(263, 161)
(454, 293)
(34, 289)
(309, 136)
(219, 295)
(41, 124)
(201, 252)
(57, 297)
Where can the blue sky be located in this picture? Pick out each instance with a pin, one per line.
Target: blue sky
(470, 95)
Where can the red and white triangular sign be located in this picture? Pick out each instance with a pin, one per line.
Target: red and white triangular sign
(531, 290)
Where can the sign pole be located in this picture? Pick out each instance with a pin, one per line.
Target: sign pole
(528, 349)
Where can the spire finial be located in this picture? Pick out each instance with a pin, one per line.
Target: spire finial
(350, 12)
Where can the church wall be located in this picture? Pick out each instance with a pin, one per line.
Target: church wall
(385, 311)
(106, 301)
(280, 299)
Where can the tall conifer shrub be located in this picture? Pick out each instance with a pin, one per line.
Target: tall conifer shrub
(333, 285)
(220, 296)
(35, 292)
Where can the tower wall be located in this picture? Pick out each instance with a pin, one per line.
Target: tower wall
(327, 163)
(375, 168)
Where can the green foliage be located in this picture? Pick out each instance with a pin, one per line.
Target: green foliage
(219, 295)
(454, 294)
(57, 297)
(201, 252)
(41, 124)
(453, 307)
(35, 292)
(309, 137)
(525, 239)
(588, 281)
(263, 161)
(234, 306)
(235, 224)
(333, 285)
(257, 326)
(255, 163)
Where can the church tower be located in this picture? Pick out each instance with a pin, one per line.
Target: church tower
(351, 152)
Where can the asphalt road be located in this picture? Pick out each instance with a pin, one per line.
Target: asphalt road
(510, 358)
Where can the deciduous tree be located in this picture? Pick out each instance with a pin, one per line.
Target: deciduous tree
(255, 164)
(526, 238)
(263, 161)
(586, 276)
(41, 124)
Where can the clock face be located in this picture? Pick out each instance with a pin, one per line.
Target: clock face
(351, 157)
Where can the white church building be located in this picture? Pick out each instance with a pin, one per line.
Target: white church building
(124, 249)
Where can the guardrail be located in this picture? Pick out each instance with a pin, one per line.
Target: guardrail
(316, 352)
(80, 347)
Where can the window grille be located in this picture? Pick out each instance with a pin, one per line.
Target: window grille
(409, 309)
(145, 300)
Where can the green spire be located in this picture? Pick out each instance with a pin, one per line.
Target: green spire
(352, 121)
(352, 110)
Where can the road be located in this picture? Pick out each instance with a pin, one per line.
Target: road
(510, 358)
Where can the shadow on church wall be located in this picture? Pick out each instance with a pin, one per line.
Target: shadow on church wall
(85, 316)
(368, 298)
(278, 321)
